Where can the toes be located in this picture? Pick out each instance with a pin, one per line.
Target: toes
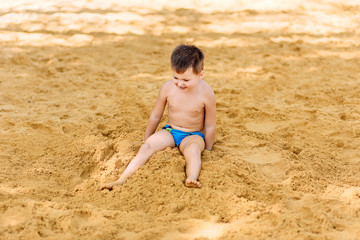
(106, 186)
(192, 183)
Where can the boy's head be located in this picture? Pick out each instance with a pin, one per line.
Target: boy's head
(185, 56)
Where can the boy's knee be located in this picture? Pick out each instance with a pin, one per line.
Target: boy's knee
(147, 146)
(193, 144)
(192, 147)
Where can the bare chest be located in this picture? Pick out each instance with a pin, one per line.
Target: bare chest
(193, 105)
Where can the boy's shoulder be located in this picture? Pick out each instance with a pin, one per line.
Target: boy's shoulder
(206, 88)
(166, 88)
(167, 85)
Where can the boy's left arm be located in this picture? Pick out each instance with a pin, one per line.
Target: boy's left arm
(210, 121)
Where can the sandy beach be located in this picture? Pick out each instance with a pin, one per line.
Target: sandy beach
(78, 80)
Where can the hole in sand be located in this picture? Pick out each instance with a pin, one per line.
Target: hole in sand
(264, 157)
(12, 216)
(87, 172)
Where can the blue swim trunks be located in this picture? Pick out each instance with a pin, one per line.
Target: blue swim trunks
(179, 135)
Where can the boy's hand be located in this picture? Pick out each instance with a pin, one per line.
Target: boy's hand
(207, 156)
(206, 152)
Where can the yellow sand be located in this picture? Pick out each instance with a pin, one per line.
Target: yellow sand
(78, 80)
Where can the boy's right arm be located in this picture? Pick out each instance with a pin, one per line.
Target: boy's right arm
(158, 111)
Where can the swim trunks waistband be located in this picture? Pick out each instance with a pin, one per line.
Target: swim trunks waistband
(179, 135)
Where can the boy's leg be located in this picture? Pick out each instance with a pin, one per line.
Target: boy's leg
(156, 142)
(191, 147)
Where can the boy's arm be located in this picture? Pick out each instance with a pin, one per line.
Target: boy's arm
(210, 121)
(157, 112)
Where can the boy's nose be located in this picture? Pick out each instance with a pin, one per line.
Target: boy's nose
(180, 84)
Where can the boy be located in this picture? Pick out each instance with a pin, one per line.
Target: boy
(191, 117)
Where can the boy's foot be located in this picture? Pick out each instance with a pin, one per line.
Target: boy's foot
(112, 184)
(192, 183)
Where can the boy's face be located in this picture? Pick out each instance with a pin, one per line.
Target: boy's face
(188, 80)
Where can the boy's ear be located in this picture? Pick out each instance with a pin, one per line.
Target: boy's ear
(201, 74)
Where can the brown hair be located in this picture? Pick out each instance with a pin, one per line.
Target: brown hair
(185, 56)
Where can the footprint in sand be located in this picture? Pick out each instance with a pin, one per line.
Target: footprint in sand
(270, 164)
(263, 157)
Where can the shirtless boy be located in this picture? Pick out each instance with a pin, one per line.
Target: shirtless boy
(191, 117)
